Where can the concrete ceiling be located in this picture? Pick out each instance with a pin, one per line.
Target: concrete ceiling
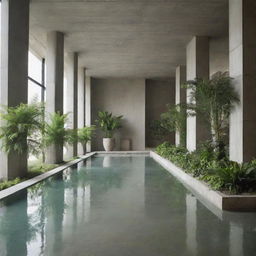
(122, 38)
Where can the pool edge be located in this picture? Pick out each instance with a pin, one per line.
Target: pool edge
(221, 201)
(30, 182)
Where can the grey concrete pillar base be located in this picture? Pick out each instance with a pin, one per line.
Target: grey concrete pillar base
(13, 166)
(54, 154)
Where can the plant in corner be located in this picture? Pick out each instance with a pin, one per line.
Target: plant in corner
(108, 124)
(84, 135)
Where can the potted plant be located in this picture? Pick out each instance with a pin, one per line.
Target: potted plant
(84, 135)
(108, 124)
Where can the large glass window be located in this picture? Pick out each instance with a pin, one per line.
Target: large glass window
(36, 86)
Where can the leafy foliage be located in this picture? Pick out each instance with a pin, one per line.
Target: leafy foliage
(9, 183)
(21, 127)
(203, 163)
(108, 123)
(84, 135)
(213, 99)
(172, 120)
(55, 132)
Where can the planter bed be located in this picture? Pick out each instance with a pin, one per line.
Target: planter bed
(218, 199)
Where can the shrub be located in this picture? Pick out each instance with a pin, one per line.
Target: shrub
(223, 175)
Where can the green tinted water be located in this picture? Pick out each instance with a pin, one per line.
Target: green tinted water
(119, 206)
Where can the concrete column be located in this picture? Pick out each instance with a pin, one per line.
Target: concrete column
(242, 66)
(88, 107)
(81, 104)
(14, 72)
(71, 98)
(180, 95)
(197, 67)
(54, 85)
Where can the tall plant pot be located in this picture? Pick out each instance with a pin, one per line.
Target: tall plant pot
(108, 144)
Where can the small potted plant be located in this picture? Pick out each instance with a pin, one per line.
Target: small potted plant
(108, 124)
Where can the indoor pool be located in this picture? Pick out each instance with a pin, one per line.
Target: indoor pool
(119, 206)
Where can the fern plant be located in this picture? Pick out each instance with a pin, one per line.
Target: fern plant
(84, 135)
(55, 132)
(21, 128)
(108, 123)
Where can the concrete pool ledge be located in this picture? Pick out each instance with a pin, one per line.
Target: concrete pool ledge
(216, 198)
(28, 183)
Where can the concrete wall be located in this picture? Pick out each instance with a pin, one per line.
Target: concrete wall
(121, 97)
(158, 94)
(219, 54)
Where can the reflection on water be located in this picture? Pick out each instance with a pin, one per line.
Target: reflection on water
(119, 206)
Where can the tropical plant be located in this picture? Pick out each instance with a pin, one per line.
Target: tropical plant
(233, 177)
(21, 128)
(213, 99)
(84, 135)
(172, 120)
(158, 130)
(55, 132)
(224, 175)
(108, 123)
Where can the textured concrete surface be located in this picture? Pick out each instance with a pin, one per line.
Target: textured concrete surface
(70, 97)
(120, 38)
(159, 93)
(121, 97)
(81, 104)
(242, 65)
(197, 66)
(180, 94)
(219, 54)
(88, 105)
(14, 70)
(54, 86)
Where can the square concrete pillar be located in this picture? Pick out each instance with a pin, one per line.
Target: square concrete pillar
(242, 66)
(197, 67)
(54, 86)
(71, 98)
(81, 104)
(180, 96)
(88, 109)
(14, 72)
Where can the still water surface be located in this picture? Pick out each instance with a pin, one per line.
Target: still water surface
(119, 206)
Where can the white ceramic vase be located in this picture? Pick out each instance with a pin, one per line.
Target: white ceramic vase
(108, 144)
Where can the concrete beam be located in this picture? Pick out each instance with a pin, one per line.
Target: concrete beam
(54, 86)
(14, 72)
(242, 66)
(197, 67)
(180, 96)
